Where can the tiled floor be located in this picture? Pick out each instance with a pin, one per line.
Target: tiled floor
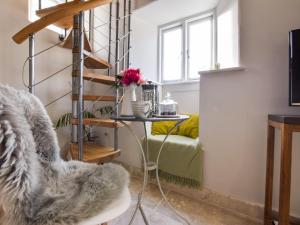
(197, 213)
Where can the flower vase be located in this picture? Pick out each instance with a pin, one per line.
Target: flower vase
(129, 96)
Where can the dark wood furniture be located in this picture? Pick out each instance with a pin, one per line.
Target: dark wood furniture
(287, 125)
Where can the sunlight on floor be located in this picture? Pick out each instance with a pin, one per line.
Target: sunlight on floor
(198, 213)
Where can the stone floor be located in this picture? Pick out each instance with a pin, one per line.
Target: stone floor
(157, 212)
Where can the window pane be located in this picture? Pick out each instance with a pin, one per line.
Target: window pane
(228, 39)
(199, 46)
(172, 54)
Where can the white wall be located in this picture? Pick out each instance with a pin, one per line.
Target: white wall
(187, 96)
(144, 47)
(234, 105)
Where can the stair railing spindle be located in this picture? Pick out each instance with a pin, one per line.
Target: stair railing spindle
(31, 65)
(129, 32)
(40, 4)
(109, 37)
(124, 33)
(91, 26)
(117, 71)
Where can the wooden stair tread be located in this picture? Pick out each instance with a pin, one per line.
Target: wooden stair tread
(93, 62)
(99, 78)
(57, 15)
(95, 153)
(99, 122)
(102, 98)
(68, 42)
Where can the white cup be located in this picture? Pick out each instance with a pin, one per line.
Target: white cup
(141, 109)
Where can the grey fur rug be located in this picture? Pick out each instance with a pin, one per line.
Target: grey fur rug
(36, 186)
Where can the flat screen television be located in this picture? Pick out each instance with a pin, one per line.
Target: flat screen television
(294, 67)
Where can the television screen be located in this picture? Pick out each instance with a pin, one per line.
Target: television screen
(294, 55)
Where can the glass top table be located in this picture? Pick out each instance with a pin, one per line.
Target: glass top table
(150, 119)
(148, 165)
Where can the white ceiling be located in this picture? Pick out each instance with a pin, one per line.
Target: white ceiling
(164, 11)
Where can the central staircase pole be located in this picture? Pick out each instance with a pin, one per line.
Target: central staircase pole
(77, 81)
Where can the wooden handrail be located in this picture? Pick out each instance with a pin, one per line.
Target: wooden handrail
(51, 18)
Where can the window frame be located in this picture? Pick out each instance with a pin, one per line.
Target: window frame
(184, 22)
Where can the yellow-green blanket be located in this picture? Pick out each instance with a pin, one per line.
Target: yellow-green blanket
(180, 160)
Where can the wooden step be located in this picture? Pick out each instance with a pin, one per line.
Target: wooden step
(56, 16)
(93, 62)
(101, 98)
(98, 78)
(99, 122)
(68, 42)
(94, 153)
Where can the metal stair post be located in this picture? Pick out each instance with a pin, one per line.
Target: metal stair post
(124, 33)
(91, 27)
(129, 30)
(31, 65)
(77, 81)
(117, 71)
(109, 38)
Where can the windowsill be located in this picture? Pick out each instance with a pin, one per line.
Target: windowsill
(180, 82)
(222, 70)
(204, 72)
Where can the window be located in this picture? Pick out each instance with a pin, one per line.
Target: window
(33, 6)
(199, 46)
(172, 44)
(203, 42)
(186, 47)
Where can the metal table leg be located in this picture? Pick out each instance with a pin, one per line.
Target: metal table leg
(140, 196)
(151, 166)
(157, 176)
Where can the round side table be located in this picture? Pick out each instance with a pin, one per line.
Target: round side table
(149, 165)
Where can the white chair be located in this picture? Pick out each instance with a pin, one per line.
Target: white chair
(112, 211)
(36, 186)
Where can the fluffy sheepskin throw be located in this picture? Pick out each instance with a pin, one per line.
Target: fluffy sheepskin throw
(36, 186)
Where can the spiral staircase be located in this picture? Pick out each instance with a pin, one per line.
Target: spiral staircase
(70, 17)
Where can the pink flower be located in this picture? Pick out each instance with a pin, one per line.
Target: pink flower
(132, 76)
